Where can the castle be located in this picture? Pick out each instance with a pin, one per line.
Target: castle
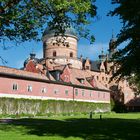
(61, 75)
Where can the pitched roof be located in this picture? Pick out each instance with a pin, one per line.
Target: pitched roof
(59, 67)
(95, 65)
(22, 73)
(76, 74)
(84, 74)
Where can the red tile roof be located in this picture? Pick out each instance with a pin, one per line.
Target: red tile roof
(75, 74)
(17, 72)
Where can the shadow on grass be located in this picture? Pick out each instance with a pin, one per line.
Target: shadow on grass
(95, 129)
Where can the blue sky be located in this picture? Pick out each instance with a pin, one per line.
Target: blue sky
(102, 30)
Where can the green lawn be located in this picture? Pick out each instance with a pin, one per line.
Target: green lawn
(111, 127)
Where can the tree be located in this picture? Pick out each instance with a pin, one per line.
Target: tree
(128, 58)
(22, 20)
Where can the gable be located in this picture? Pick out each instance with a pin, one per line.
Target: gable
(65, 76)
(31, 67)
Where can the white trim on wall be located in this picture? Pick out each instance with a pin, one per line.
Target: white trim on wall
(47, 98)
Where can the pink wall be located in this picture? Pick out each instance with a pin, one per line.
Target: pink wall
(6, 85)
(93, 95)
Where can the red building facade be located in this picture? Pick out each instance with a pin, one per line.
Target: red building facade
(22, 84)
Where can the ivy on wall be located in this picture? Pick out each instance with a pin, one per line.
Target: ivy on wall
(12, 106)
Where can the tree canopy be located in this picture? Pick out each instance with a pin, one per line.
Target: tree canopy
(22, 20)
(128, 58)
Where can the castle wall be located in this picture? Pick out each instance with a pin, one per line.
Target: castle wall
(52, 91)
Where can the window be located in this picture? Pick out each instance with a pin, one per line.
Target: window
(66, 92)
(98, 94)
(15, 87)
(76, 92)
(102, 70)
(56, 91)
(103, 95)
(66, 77)
(71, 54)
(43, 90)
(106, 79)
(103, 78)
(87, 67)
(83, 93)
(82, 81)
(29, 88)
(54, 53)
(97, 77)
(90, 93)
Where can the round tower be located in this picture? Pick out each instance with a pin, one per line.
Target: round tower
(61, 49)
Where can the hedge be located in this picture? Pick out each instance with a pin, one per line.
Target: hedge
(12, 106)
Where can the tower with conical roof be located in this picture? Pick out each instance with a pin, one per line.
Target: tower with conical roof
(112, 46)
(102, 56)
(61, 49)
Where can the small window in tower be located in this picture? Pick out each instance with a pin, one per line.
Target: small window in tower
(97, 77)
(71, 54)
(103, 78)
(54, 53)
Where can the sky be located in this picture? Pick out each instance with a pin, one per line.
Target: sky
(101, 29)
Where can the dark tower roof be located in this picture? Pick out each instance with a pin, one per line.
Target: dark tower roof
(70, 31)
(112, 43)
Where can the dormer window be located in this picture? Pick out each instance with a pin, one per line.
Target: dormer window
(81, 80)
(54, 53)
(87, 67)
(102, 70)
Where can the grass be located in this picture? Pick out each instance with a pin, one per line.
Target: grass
(110, 127)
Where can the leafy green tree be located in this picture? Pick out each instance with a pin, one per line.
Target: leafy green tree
(22, 20)
(134, 82)
(128, 58)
